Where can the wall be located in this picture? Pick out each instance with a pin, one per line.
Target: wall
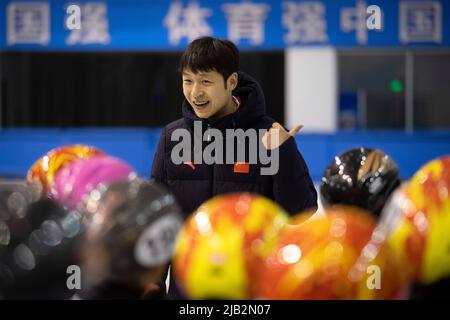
(19, 148)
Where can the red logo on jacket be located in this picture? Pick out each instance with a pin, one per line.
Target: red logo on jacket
(190, 164)
(241, 167)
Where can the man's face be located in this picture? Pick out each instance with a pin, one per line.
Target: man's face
(206, 93)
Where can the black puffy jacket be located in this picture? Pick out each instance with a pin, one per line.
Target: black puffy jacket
(291, 187)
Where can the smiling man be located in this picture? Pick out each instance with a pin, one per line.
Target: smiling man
(220, 97)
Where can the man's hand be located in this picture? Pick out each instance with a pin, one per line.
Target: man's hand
(277, 135)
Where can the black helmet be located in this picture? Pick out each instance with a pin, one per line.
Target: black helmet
(35, 249)
(130, 229)
(363, 177)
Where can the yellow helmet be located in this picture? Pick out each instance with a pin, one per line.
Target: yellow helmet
(417, 221)
(217, 249)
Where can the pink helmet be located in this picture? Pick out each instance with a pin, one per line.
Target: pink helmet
(80, 177)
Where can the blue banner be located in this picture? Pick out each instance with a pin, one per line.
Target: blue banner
(256, 24)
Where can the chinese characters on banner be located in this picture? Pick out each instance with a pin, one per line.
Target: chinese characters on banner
(420, 22)
(28, 23)
(189, 22)
(94, 25)
(246, 20)
(252, 24)
(305, 22)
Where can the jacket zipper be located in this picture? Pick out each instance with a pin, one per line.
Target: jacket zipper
(208, 138)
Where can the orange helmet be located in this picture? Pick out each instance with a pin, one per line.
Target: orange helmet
(45, 168)
(332, 256)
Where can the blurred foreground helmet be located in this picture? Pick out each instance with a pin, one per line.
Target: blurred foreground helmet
(217, 250)
(127, 244)
(44, 170)
(15, 196)
(35, 246)
(335, 256)
(361, 177)
(417, 222)
(79, 177)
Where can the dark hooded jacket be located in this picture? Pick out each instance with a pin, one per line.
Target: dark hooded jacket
(192, 184)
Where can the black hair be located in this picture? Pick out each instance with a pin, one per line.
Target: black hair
(211, 54)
